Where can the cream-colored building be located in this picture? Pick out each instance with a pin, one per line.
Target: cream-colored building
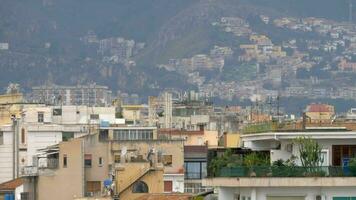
(132, 156)
(37, 126)
(192, 138)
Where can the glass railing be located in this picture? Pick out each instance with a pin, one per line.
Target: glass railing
(285, 171)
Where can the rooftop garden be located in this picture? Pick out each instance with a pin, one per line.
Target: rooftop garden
(257, 164)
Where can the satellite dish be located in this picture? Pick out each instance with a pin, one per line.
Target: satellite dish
(124, 150)
(123, 154)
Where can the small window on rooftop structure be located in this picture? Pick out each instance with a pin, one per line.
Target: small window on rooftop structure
(57, 112)
(40, 117)
(66, 136)
(94, 116)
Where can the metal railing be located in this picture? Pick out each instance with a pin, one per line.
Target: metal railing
(285, 171)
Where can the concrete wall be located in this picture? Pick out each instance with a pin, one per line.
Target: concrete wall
(97, 172)
(166, 147)
(68, 182)
(209, 137)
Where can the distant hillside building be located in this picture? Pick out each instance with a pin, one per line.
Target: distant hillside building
(90, 95)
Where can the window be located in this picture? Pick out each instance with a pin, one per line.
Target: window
(40, 117)
(1, 137)
(25, 196)
(167, 160)
(94, 116)
(133, 134)
(87, 160)
(65, 160)
(100, 161)
(195, 170)
(168, 186)
(140, 187)
(23, 136)
(103, 135)
(117, 158)
(57, 112)
(67, 136)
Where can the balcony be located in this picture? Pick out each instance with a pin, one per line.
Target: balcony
(284, 171)
(29, 171)
(48, 163)
(271, 176)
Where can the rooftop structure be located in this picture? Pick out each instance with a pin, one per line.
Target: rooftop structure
(90, 95)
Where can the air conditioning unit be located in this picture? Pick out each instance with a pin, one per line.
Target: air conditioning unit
(289, 148)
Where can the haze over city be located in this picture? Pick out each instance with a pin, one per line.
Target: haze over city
(183, 99)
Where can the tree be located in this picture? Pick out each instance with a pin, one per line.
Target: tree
(309, 152)
(225, 160)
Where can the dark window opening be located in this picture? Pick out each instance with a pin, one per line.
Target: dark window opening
(23, 136)
(65, 160)
(87, 160)
(57, 112)
(103, 135)
(100, 161)
(94, 116)
(66, 136)
(40, 117)
(140, 187)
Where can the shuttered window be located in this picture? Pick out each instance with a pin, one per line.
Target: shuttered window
(168, 186)
(93, 186)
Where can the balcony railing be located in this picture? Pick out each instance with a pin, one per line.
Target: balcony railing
(29, 171)
(49, 163)
(284, 171)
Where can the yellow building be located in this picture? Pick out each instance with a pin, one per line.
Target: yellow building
(10, 105)
(140, 163)
(232, 140)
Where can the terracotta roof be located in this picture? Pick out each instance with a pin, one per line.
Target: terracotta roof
(319, 108)
(11, 185)
(165, 197)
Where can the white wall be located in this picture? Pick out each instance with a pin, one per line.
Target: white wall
(18, 192)
(228, 193)
(177, 181)
(39, 140)
(6, 158)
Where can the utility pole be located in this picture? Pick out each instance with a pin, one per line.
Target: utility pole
(15, 148)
